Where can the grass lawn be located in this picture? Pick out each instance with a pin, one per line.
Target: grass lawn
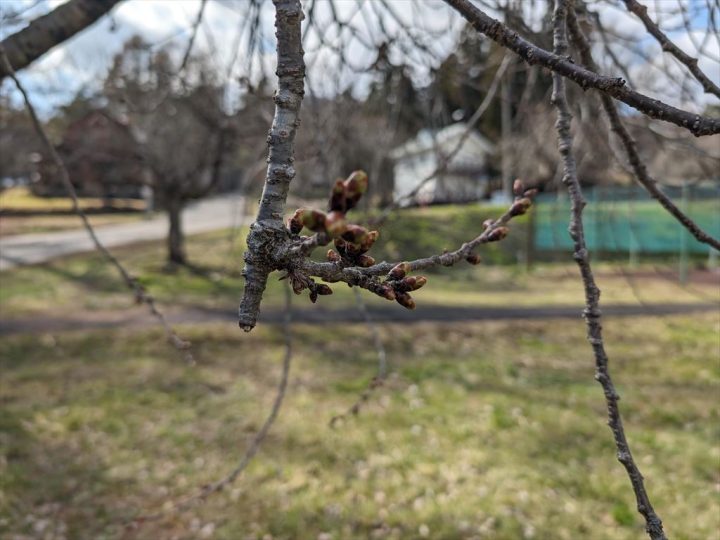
(484, 430)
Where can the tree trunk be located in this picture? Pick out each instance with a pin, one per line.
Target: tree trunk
(176, 238)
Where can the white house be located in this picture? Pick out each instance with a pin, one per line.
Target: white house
(465, 178)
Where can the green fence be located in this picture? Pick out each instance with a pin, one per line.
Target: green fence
(627, 220)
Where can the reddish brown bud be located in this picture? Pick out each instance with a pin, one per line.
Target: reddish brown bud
(473, 258)
(498, 234)
(323, 290)
(487, 223)
(399, 271)
(297, 286)
(333, 255)
(337, 196)
(386, 291)
(520, 206)
(530, 193)
(369, 240)
(313, 296)
(335, 224)
(355, 233)
(405, 300)
(312, 219)
(365, 261)
(294, 224)
(413, 283)
(518, 187)
(357, 182)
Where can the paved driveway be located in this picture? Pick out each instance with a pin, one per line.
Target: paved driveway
(203, 216)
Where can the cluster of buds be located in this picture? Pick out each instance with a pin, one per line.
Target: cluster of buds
(397, 285)
(300, 282)
(351, 241)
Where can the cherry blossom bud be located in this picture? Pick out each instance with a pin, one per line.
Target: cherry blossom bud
(518, 187)
(473, 258)
(399, 271)
(369, 240)
(294, 223)
(498, 234)
(355, 233)
(413, 283)
(337, 196)
(333, 256)
(323, 290)
(530, 193)
(365, 261)
(386, 291)
(313, 296)
(405, 300)
(520, 206)
(335, 224)
(487, 223)
(312, 219)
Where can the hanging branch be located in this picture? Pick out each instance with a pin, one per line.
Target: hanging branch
(615, 87)
(638, 167)
(193, 35)
(378, 380)
(255, 443)
(141, 295)
(45, 32)
(268, 231)
(592, 313)
(667, 45)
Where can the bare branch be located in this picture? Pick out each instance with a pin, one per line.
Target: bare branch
(268, 229)
(638, 167)
(378, 380)
(193, 35)
(592, 313)
(255, 443)
(50, 30)
(141, 296)
(615, 87)
(667, 45)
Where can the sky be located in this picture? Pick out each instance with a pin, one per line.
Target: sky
(81, 62)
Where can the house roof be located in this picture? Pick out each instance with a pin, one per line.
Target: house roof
(445, 141)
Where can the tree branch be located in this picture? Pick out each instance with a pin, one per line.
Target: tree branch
(44, 33)
(141, 295)
(615, 87)
(667, 45)
(268, 232)
(592, 314)
(638, 167)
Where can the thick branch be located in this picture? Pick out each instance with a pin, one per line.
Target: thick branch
(638, 167)
(559, 64)
(667, 45)
(592, 314)
(268, 231)
(50, 30)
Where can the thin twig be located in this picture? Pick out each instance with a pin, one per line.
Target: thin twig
(592, 313)
(141, 295)
(255, 444)
(378, 380)
(667, 45)
(638, 167)
(191, 42)
(615, 87)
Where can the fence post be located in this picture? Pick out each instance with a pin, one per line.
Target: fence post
(683, 270)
